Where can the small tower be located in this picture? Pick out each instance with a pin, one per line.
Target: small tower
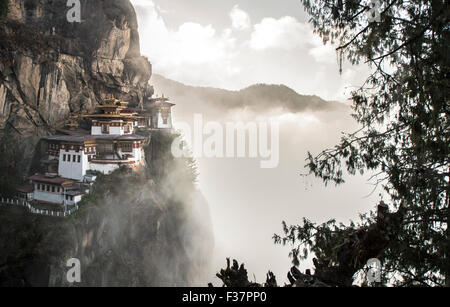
(160, 110)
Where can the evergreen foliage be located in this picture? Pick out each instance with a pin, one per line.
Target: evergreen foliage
(3, 7)
(403, 109)
(10, 157)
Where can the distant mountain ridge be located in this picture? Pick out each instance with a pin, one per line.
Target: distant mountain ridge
(258, 97)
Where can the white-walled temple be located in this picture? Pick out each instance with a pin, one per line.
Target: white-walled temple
(71, 160)
(161, 113)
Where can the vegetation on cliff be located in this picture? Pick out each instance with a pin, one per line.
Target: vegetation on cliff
(10, 158)
(133, 229)
(3, 7)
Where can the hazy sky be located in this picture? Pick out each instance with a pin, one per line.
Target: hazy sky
(235, 43)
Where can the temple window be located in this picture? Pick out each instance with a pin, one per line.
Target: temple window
(79, 159)
(64, 157)
(126, 147)
(105, 148)
(105, 128)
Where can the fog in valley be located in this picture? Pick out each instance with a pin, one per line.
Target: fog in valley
(249, 203)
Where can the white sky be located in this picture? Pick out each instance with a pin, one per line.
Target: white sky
(236, 43)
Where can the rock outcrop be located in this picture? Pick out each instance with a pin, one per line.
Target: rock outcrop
(50, 67)
(148, 229)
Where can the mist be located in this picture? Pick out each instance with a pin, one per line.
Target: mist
(157, 212)
(248, 203)
(275, 46)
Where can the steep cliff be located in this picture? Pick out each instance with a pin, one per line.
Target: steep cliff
(148, 228)
(135, 229)
(50, 67)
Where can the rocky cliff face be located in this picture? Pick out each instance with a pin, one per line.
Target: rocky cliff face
(50, 67)
(147, 229)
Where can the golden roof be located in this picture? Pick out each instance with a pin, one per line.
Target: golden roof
(111, 106)
(109, 115)
(111, 103)
(115, 101)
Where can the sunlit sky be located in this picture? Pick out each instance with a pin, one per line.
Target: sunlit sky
(232, 44)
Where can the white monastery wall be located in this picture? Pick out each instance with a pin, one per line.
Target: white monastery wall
(104, 168)
(48, 196)
(72, 169)
(161, 121)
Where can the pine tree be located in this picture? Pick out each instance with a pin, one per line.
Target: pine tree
(403, 109)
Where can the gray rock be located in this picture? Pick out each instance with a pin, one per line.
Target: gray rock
(51, 68)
